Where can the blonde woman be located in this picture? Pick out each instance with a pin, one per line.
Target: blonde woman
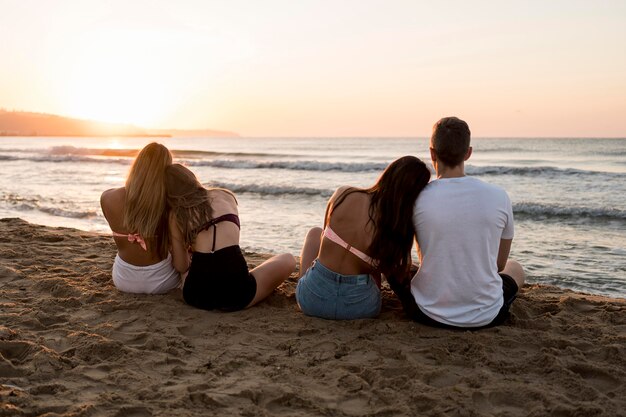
(206, 223)
(137, 216)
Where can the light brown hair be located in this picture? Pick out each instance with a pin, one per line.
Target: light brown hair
(144, 209)
(188, 200)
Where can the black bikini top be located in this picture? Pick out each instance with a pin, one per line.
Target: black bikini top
(230, 217)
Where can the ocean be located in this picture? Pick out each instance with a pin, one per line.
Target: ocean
(569, 195)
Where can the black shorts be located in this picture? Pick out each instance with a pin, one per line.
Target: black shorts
(509, 290)
(219, 280)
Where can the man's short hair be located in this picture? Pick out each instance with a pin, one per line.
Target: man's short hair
(450, 140)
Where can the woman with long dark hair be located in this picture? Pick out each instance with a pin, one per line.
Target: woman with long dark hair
(367, 232)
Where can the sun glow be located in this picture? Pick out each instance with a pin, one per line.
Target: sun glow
(114, 143)
(358, 68)
(113, 79)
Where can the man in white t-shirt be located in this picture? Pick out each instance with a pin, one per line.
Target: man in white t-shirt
(464, 232)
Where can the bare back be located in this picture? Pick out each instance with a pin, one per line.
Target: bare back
(226, 233)
(113, 202)
(350, 220)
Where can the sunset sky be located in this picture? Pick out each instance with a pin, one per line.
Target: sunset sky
(321, 68)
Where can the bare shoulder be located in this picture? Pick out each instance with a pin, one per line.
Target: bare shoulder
(343, 188)
(222, 194)
(339, 191)
(112, 198)
(222, 201)
(113, 194)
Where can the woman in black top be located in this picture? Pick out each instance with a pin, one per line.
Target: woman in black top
(204, 231)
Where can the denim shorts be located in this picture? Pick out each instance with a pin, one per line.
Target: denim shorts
(328, 295)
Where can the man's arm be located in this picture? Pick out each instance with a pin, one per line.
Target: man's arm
(503, 253)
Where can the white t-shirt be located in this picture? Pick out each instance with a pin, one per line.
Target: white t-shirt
(459, 224)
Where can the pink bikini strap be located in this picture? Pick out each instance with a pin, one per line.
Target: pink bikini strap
(334, 237)
(133, 238)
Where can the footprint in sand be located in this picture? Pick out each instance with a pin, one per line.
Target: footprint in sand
(134, 412)
(596, 377)
(16, 352)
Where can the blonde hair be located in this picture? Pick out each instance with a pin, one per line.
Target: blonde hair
(145, 207)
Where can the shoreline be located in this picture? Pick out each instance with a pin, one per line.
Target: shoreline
(71, 344)
(104, 230)
(568, 236)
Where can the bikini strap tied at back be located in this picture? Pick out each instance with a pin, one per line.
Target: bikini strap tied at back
(133, 238)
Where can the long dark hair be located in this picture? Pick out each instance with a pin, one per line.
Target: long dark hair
(391, 212)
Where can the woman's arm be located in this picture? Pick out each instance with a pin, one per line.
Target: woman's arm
(180, 254)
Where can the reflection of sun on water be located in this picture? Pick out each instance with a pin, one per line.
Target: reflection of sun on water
(114, 143)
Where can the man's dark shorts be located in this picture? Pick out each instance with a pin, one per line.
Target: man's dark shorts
(509, 289)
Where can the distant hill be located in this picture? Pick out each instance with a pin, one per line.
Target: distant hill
(17, 123)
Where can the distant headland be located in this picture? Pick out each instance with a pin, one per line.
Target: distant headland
(19, 123)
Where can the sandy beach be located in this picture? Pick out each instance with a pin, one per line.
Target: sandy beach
(72, 345)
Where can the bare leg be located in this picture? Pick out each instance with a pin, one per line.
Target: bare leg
(270, 274)
(311, 249)
(515, 271)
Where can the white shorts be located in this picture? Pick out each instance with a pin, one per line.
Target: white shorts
(151, 279)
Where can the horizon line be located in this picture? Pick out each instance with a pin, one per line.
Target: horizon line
(5, 135)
